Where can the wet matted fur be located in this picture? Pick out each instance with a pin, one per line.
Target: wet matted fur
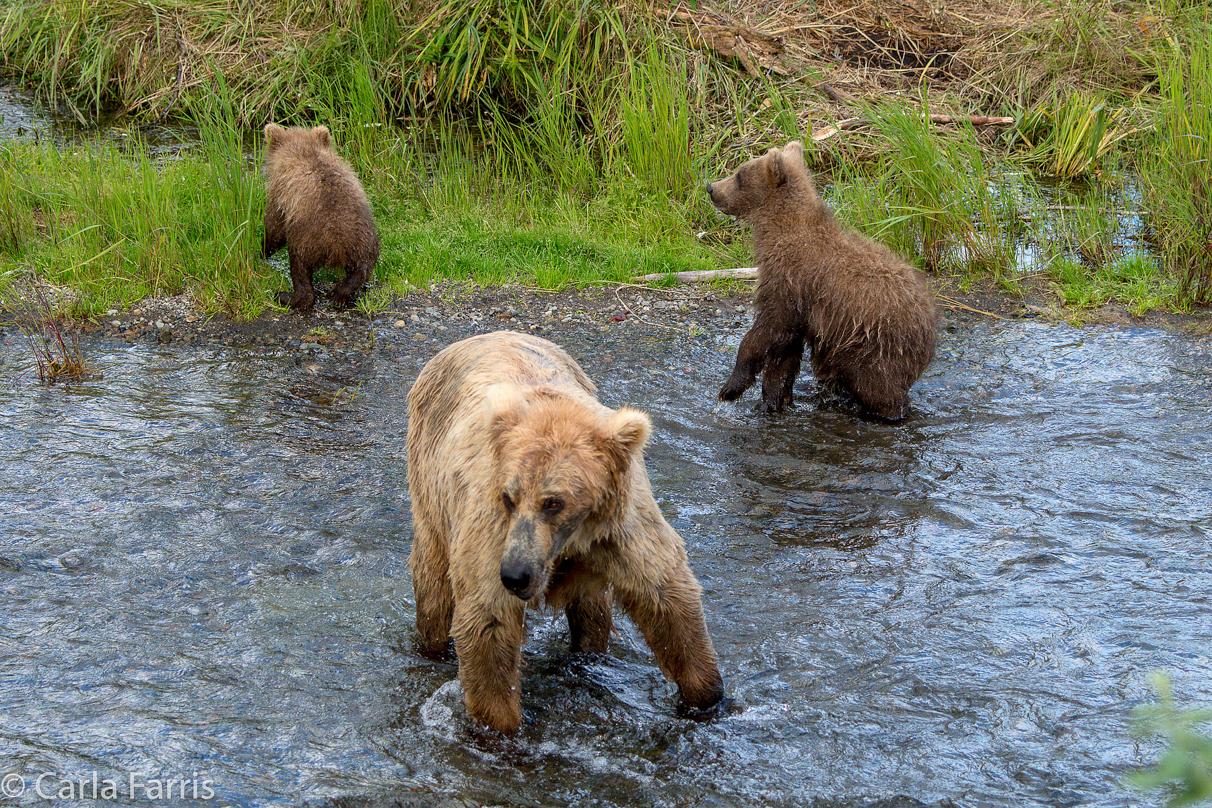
(868, 318)
(315, 206)
(525, 487)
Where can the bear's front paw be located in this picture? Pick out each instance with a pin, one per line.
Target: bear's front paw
(725, 706)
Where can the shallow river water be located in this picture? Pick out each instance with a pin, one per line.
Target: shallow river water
(203, 572)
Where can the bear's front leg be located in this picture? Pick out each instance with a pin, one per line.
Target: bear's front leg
(762, 344)
(489, 646)
(750, 358)
(782, 368)
(671, 620)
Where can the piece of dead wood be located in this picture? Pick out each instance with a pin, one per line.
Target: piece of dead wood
(859, 123)
(834, 94)
(755, 50)
(952, 303)
(181, 63)
(699, 275)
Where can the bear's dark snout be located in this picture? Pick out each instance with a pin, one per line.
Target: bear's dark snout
(515, 576)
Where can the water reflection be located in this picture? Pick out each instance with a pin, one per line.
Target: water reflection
(203, 560)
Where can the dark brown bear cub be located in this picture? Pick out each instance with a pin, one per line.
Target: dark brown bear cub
(867, 317)
(316, 207)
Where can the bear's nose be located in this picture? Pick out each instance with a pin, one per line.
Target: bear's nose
(709, 188)
(515, 578)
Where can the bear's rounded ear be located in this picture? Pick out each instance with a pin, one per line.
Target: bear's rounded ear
(322, 134)
(272, 132)
(505, 407)
(776, 171)
(794, 151)
(629, 428)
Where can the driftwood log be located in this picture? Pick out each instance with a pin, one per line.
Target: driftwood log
(740, 273)
(859, 123)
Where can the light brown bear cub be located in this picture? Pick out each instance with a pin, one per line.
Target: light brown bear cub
(315, 206)
(868, 318)
(524, 486)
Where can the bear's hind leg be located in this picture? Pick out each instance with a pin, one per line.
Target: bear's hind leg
(590, 621)
(303, 298)
(586, 599)
(274, 237)
(490, 656)
(431, 586)
(355, 278)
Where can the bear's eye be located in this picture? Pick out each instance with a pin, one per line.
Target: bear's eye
(552, 506)
(507, 501)
(740, 179)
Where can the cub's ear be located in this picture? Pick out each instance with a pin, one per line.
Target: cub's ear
(322, 135)
(272, 134)
(629, 429)
(776, 169)
(793, 152)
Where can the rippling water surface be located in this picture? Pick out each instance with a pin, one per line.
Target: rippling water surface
(204, 578)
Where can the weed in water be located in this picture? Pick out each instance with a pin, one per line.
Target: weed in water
(55, 349)
(1185, 768)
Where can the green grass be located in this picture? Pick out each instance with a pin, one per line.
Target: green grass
(553, 143)
(1132, 280)
(1177, 171)
(117, 226)
(1067, 137)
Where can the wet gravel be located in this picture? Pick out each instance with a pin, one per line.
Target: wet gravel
(451, 309)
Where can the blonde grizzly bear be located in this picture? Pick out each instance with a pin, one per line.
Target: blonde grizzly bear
(868, 318)
(525, 487)
(315, 206)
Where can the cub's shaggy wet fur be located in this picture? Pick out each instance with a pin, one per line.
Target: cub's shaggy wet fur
(524, 487)
(868, 318)
(316, 207)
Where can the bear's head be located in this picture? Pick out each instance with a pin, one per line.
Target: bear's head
(760, 180)
(276, 137)
(560, 466)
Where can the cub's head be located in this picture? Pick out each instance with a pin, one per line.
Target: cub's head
(276, 137)
(559, 465)
(759, 180)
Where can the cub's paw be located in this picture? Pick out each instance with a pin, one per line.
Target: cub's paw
(732, 391)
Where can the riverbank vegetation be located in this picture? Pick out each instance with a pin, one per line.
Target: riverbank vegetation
(557, 143)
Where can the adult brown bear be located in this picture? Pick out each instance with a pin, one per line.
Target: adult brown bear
(524, 486)
(315, 206)
(868, 318)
